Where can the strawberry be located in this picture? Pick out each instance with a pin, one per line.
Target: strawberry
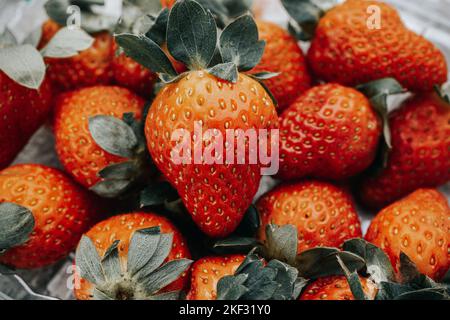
(349, 47)
(206, 273)
(323, 214)
(216, 97)
(329, 132)
(417, 225)
(81, 156)
(282, 54)
(167, 3)
(336, 288)
(133, 241)
(43, 215)
(420, 155)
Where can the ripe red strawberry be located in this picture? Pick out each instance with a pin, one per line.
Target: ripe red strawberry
(347, 48)
(323, 214)
(336, 288)
(206, 273)
(77, 150)
(282, 54)
(418, 225)
(420, 155)
(167, 3)
(90, 67)
(122, 228)
(329, 132)
(22, 112)
(61, 209)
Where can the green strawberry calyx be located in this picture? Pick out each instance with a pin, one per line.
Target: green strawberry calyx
(24, 64)
(142, 276)
(443, 92)
(192, 38)
(16, 225)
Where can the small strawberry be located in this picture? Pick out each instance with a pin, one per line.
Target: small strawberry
(79, 153)
(282, 54)
(206, 273)
(120, 259)
(329, 132)
(336, 288)
(352, 45)
(418, 225)
(323, 214)
(216, 97)
(43, 215)
(420, 155)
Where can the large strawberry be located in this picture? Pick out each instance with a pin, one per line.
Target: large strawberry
(77, 149)
(210, 96)
(360, 41)
(25, 95)
(420, 155)
(329, 132)
(42, 215)
(132, 256)
(323, 214)
(418, 226)
(336, 288)
(282, 54)
(91, 66)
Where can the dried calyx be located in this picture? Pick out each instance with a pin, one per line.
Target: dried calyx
(142, 276)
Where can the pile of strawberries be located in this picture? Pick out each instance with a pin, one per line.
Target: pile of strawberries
(146, 227)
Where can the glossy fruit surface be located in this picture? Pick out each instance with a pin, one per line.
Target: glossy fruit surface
(336, 288)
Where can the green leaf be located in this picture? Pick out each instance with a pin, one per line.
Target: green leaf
(146, 52)
(235, 245)
(161, 253)
(16, 225)
(100, 295)
(281, 242)
(111, 188)
(424, 294)
(225, 71)
(7, 39)
(231, 287)
(88, 262)
(377, 262)
(353, 281)
(23, 64)
(286, 279)
(157, 194)
(111, 262)
(67, 43)
(165, 275)
(143, 246)
(408, 269)
(443, 93)
(305, 16)
(145, 6)
(239, 43)
(265, 75)
(120, 171)
(158, 30)
(387, 86)
(113, 135)
(191, 34)
(218, 10)
(237, 7)
(33, 37)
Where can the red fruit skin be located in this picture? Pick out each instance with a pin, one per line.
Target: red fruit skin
(419, 226)
(122, 227)
(207, 272)
(282, 54)
(329, 132)
(216, 195)
(88, 68)
(420, 156)
(347, 51)
(78, 152)
(323, 214)
(62, 211)
(336, 288)
(22, 112)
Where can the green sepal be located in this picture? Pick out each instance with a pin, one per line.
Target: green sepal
(119, 171)
(8, 39)
(111, 188)
(353, 281)
(305, 16)
(141, 239)
(16, 225)
(6, 270)
(235, 245)
(111, 262)
(67, 43)
(88, 262)
(191, 34)
(265, 75)
(226, 71)
(237, 7)
(158, 193)
(281, 243)
(443, 94)
(232, 287)
(34, 37)
(158, 30)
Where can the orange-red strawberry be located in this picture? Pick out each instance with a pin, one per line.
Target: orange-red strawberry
(419, 226)
(329, 132)
(336, 288)
(420, 155)
(167, 3)
(349, 47)
(206, 273)
(90, 67)
(22, 112)
(76, 148)
(282, 54)
(323, 214)
(122, 228)
(62, 212)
